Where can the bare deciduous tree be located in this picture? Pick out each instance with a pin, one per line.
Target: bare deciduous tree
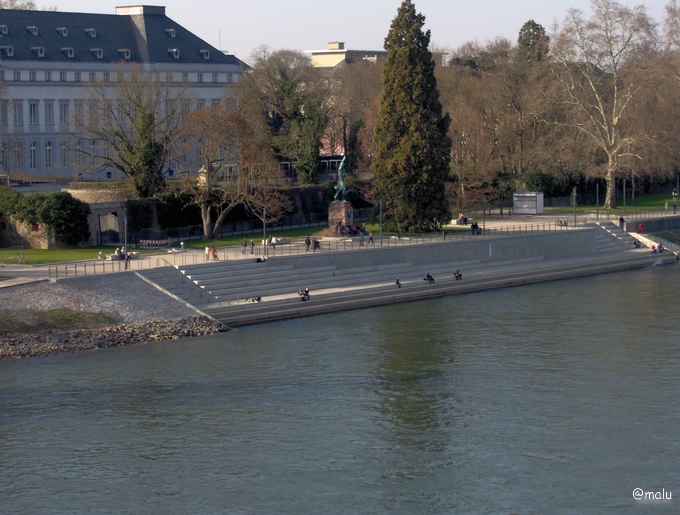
(600, 69)
(133, 124)
(228, 165)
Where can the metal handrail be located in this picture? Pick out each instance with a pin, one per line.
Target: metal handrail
(201, 289)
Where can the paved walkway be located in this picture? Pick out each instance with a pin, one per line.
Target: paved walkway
(21, 274)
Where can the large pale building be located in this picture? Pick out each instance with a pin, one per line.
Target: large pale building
(336, 54)
(49, 60)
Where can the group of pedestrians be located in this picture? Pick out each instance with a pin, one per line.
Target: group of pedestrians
(457, 274)
(211, 253)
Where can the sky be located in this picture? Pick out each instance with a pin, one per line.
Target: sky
(241, 26)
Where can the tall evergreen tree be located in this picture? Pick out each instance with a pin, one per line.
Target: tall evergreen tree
(411, 164)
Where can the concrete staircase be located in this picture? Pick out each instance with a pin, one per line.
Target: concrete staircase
(175, 283)
(611, 238)
(475, 278)
(220, 288)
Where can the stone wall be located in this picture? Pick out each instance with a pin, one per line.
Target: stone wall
(669, 223)
(556, 245)
(18, 234)
(99, 196)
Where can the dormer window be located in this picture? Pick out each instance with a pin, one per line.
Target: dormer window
(97, 52)
(39, 50)
(68, 51)
(205, 53)
(32, 29)
(171, 32)
(7, 50)
(125, 52)
(3, 29)
(174, 52)
(91, 32)
(63, 31)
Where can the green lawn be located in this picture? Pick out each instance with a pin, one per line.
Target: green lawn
(42, 257)
(655, 202)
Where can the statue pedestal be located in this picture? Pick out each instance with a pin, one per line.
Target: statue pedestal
(340, 212)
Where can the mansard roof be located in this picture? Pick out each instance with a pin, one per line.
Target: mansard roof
(145, 31)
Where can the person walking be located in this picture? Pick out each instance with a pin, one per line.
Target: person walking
(361, 239)
(675, 200)
(370, 238)
(308, 242)
(213, 254)
(398, 283)
(207, 253)
(244, 246)
(252, 247)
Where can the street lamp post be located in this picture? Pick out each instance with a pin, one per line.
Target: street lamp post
(381, 223)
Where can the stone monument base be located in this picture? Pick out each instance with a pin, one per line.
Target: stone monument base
(340, 212)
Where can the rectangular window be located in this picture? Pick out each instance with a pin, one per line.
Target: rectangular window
(2, 75)
(215, 77)
(215, 102)
(63, 112)
(107, 77)
(17, 76)
(185, 77)
(33, 113)
(230, 77)
(93, 152)
(18, 114)
(76, 76)
(48, 76)
(49, 113)
(199, 77)
(62, 76)
(63, 154)
(200, 104)
(48, 154)
(79, 113)
(18, 157)
(93, 76)
(3, 113)
(33, 156)
(31, 76)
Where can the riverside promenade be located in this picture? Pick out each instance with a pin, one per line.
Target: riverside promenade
(343, 275)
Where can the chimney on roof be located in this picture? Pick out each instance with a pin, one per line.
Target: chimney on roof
(336, 45)
(131, 10)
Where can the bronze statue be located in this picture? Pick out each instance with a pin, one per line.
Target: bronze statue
(340, 188)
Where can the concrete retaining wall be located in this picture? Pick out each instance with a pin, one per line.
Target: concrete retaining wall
(653, 225)
(560, 244)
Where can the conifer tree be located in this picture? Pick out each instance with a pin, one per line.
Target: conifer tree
(411, 164)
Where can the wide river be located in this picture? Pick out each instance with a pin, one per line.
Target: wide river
(558, 398)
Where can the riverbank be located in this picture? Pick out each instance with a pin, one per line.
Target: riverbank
(54, 342)
(134, 311)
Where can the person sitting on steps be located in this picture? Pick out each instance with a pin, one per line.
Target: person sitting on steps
(457, 275)
(429, 278)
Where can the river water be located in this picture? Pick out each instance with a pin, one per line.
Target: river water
(547, 399)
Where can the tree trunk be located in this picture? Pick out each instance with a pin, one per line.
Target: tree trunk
(610, 198)
(207, 222)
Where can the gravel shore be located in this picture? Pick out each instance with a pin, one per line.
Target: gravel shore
(143, 313)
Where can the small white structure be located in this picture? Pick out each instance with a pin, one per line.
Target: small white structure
(527, 203)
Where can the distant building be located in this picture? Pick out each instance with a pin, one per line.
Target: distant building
(48, 59)
(337, 54)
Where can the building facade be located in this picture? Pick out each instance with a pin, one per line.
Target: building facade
(336, 54)
(49, 62)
